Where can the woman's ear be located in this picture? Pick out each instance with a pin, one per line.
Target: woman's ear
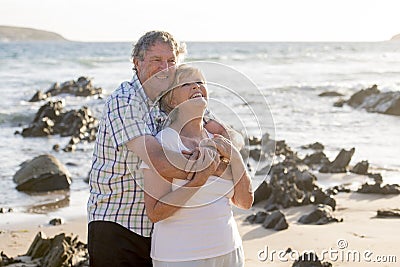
(172, 101)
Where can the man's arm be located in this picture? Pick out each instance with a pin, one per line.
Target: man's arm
(168, 163)
(219, 128)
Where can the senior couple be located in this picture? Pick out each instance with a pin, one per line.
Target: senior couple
(164, 175)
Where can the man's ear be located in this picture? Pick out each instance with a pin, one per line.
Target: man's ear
(136, 63)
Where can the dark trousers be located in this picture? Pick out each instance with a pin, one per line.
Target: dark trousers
(111, 244)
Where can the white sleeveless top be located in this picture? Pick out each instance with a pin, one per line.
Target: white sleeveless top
(205, 227)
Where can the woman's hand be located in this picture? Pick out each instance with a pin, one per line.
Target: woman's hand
(223, 145)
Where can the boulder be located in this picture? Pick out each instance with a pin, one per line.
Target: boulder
(262, 192)
(361, 168)
(316, 146)
(62, 250)
(81, 87)
(317, 158)
(276, 220)
(259, 217)
(384, 213)
(330, 93)
(43, 173)
(310, 259)
(358, 98)
(373, 100)
(377, 188)
(323, 214)
(51, 119)
(339, 165)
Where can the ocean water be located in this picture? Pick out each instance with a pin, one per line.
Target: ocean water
(286, 79)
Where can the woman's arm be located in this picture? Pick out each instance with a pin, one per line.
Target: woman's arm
(243, 193)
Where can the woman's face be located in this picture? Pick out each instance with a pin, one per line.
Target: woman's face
(192, 88)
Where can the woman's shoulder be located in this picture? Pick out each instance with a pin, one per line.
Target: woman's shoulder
(169, 138)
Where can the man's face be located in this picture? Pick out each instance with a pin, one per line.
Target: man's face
(157, 58)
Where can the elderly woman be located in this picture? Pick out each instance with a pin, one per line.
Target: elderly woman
(194, 226)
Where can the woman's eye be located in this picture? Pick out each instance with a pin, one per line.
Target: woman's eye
(185, 84)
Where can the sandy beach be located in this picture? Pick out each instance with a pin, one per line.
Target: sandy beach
(360, 240)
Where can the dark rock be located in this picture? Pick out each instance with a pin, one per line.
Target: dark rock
(52, 119)
(310, 259)
(317, 158)
(322, 198)
(377, 188)
(361, 168)
(43, 173)
(338, 188)
(281, 148)
(262, 192)
(388, 213)
(251, 218)
(267, 145)
(82, 87)
(339, 103)
(275, 220)
(5, 260)
(376, 176)
(38, 96)
(257, 154)
(340, 163)
(323, 214)
(56, 221)
(330, 93)
(373, 100)
(271, 207)
(254, 141)
(56, 147)
(288, 185)
(358, 98)
(260, 217)
(315, 146)
(305, 180)
(59, 251)
(282, 224)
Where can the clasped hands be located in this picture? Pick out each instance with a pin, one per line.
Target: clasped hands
(211, 157)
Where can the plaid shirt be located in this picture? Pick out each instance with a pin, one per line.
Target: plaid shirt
(116, 181)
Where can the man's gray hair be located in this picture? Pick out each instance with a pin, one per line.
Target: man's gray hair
(151, 38)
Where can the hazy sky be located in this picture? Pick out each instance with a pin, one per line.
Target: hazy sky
(209, 20)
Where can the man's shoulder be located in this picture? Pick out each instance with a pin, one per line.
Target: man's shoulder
(127, 90)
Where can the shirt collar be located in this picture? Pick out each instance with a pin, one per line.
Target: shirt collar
(135, 82)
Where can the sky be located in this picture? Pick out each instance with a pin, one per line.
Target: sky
(209, 20)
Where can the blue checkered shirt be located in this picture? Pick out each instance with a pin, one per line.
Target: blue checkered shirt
(116, 181)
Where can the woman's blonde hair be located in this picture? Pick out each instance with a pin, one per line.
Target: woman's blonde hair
(181, 74)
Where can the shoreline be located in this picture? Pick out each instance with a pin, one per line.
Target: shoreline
(361, 231)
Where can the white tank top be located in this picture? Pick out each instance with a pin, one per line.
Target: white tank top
(205, 227)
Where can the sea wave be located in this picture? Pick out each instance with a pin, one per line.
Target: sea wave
(16, 119)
